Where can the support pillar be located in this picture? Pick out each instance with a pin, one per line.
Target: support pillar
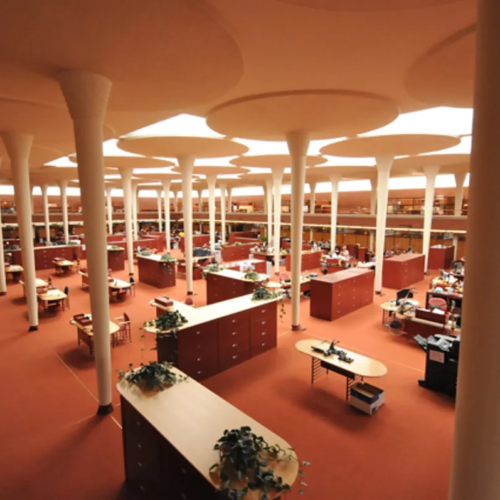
(200, 199)
(186, 165)
(384, 165)
(269, 204)
(166, 191)
(46, 215)
(176, 201)
(334, 181)
(222, 187)
(109, 206)
(158, 194)
(211, 180)
(3, 279)
(373, 206)
(312, 197)
(128, 200)
(18, 148)
(87, 96)
(278, 179)
(230, 201)
(476, 453)
(430, 188)
(459, 192)
(135, 209)
(455, 246)
(298, 144)
(63, 185)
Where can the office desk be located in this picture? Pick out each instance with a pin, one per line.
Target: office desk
(199, 240)
(85, 334)
(15, 272)
(118, 288)
(402, 271)
(258, 265)
(441, 257)
(449, 297)
(389, 310)
(219, 336)
(338, 294)
(362, 367)
(155, 272)
(197, 269)
(310, 260)
(52, 297)
(44, 256)
(116, 259)
(39, 283)
(228, 284)
(64, 266)
(236, 252)
(173, 433)
(269, 257)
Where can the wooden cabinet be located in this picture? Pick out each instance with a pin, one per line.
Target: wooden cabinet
(335, 295)
(441, 257)
(208, 348)
(116, 260)
(310, 260)
(238, 252)
(199, 240)
(44, 256)
(221, 287)
(402, 271)
(156, 273)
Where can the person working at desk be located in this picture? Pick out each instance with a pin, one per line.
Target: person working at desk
(345, 253)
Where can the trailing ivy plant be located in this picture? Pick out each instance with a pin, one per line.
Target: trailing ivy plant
(154, 376)
(211, 268)
(252, 276)
(115, 247)
(167, 325)
(244, 461)
(262, 293)
(145, 253)
(237, 243)
(166, 257)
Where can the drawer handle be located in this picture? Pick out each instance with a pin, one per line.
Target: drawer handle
(198, 373)
(139, 445)
(142, 488)
(184, 471)
(138, 423)
(264, 333)
(197, 333)
(234, 333)
(235, 357)
(183, 496)
(263, 344)
(139, 464)
(198, 359)
(264, 322)
(234, 321)
(263, 311)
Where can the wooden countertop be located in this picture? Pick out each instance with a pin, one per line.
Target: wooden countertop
(156, 258)
(54, 294)
(14, 269)
(89, 330)
(192, 419)
(404, 257)
(64, 263)
(238, 275)
(199, 315)
(362, 366)
(342, 275)
(39, 283)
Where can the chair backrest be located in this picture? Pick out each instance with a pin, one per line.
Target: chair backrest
(438, 303)
(132, 280)
(189, 301)
(126, 317)
(284, 277)
(66, 290)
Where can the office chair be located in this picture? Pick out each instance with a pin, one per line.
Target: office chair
(65, 302)
(125, 331)
(438, 303)
(132, 284)
(285, 283)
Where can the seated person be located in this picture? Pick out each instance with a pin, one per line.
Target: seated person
(345, 253)
(337, 249)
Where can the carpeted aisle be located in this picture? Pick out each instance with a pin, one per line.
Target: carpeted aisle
(53, 447)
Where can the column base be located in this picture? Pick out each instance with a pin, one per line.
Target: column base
(296, 328)
(105, 410)
(3, 293)
(33, 328)
(190, 293)
(131, 274)
(379, 292)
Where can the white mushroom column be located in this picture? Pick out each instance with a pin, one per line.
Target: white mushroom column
(222, 187)
(312, 197)
(166, 191)
(476, 453)
(211, 180)
(384, 165)
(158, 194)
(63, 185)
(3, 279)
(46, 216)
(230, 200)
(298, 144)
(278, 179)
(334, 181)
(176, 201)
(109, 206)
(430, 187)
(459, 198)
(128, 200)
(135, 209)
(186, 165)
(373, 206)
(200, 199)
(18, 148)
(87, 96)
(269, 207)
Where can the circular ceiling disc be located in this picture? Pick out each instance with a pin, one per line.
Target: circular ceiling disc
(173, 147)
(396, 145)
(135, 162)
(347, 172)
(324, 114)
(270, 161)
(444, 76)
(207, 170)
(437, 160)
(160, 55)
(368, 5)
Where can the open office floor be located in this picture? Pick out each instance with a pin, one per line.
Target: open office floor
(53, 447)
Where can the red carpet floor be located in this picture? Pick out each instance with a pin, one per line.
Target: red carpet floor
(53, 447)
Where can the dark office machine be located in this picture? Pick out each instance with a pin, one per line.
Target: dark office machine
(441, 367)
(402, 295)
(201, 252)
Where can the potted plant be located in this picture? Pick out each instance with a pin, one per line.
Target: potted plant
(246, 463)
(237, 243)
(166, 257)
(252, 276)
(151, 377)
(211, 268)
(167, 325)
(262, 293)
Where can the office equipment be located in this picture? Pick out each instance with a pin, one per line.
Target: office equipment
(356, 370)
(403, 270)
(404, 294)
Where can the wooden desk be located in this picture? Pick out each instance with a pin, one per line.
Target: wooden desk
(64, 266)
(116, 259)
(85, 334)
(38, 284)
(117, 288)
(362, 367)
(449, 297)
(15, 272)
(402, 271)
(258, 265)
(263, 256)
(52, 297)
(286, 244)
(155, 272)
(228, 284)
(197, 269)
(338, 294)
(236, 252)
(219, 336)
(441, 257)
(173, 433)
(310, 260)
(44, 256)
(199, 240)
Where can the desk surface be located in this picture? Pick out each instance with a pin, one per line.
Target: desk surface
(113, 248)
(116, 283)
(238, 275)
(346, 274)
(404, 257)
(192, 419)
(39, 283)
(199, 315)
(63, 263)
(89, 330)
(362, 366)
(14, 269)
(54, 294)
(156, 258)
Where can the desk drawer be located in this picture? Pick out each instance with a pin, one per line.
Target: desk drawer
(264, 345)
(199, 366)
(230, 360)
(264, 324)
(234, 320)
(197, 339)
(236, 335)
